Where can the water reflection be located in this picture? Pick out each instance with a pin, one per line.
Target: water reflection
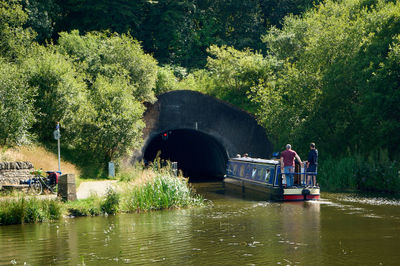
(236, 230)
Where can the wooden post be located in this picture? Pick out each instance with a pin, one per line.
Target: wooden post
(66, 187)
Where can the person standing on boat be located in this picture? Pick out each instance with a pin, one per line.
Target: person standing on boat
(287, 163)
(312, 164)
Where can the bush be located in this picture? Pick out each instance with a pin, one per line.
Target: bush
(163, 191)
(110, 204)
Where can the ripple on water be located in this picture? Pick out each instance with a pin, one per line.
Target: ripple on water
(370, 201)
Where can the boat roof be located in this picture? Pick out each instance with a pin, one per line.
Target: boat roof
(254, 160)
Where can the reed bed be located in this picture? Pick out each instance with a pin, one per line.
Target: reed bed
(142, 190)
(359, 174)
(156, 188)
(161, 192)
(29, 210)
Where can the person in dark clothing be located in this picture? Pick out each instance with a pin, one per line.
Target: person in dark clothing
(312, 165)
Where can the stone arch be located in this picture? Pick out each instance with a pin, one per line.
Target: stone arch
(204, 125)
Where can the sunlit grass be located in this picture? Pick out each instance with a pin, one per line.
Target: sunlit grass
(29, 210)
(142, 190)
(39, 157)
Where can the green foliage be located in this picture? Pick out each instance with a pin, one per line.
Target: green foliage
(179, 32)
(42, 17)
(115, 126)
(110, 204)
(110, 56)
(14, 39)
(358, 173)
(84, 207)
(16, 106)
(234, 73)
(162, 192)
(166, 80)
(120, 77)
(61, 93)
(337, 85)
(29, 210)
(339, 174)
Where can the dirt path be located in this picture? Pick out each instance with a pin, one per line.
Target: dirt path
(98, 187)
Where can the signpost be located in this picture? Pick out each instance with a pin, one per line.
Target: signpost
(57, 137)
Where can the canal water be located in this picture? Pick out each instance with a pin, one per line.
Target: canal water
(236, 230)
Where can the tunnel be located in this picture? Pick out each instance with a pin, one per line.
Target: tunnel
(199, 156)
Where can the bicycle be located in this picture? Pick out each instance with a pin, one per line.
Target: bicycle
(39, 182)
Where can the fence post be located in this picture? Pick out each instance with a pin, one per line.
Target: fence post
(66, 187)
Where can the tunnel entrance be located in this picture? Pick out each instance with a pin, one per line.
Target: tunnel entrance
(199, 156)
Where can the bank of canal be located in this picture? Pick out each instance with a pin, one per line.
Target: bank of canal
(338, 230)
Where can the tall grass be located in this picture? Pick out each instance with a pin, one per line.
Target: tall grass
(160, 192)
(359, 173)
(156, 188)
(142, 190)
(40, 158)
(29, 210)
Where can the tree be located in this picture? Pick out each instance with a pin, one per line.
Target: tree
(60, 92)
(16, 106)
(115, 126)
(42, 17)
(337, 86)
(234, 73)
(14, 39)
(120, 77)
(112, 55)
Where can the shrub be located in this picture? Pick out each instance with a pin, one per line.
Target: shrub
(110, 204)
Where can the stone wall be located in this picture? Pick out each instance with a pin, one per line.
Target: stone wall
(13, 172)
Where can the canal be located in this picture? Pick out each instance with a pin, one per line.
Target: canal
(236, 230)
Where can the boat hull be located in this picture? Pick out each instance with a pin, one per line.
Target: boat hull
(265, 176)
(242, 185)
(300, 194)
(273, 193)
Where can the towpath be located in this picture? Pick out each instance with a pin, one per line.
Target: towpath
(98, 187)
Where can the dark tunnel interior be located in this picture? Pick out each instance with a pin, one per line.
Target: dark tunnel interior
(200, 156)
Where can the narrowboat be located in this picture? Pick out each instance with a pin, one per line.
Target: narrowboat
(265, 176)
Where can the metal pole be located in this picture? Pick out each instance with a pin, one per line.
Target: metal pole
(59, 160)
(58, 146)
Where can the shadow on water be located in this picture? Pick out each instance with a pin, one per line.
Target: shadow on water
(221, 190)
(238, 229)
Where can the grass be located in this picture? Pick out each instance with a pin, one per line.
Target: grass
(39, 157)
(29, 210)
(139, 189)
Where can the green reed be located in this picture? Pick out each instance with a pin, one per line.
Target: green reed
(160, 192)
(143, 190)
(29, 210)
(357, 173)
